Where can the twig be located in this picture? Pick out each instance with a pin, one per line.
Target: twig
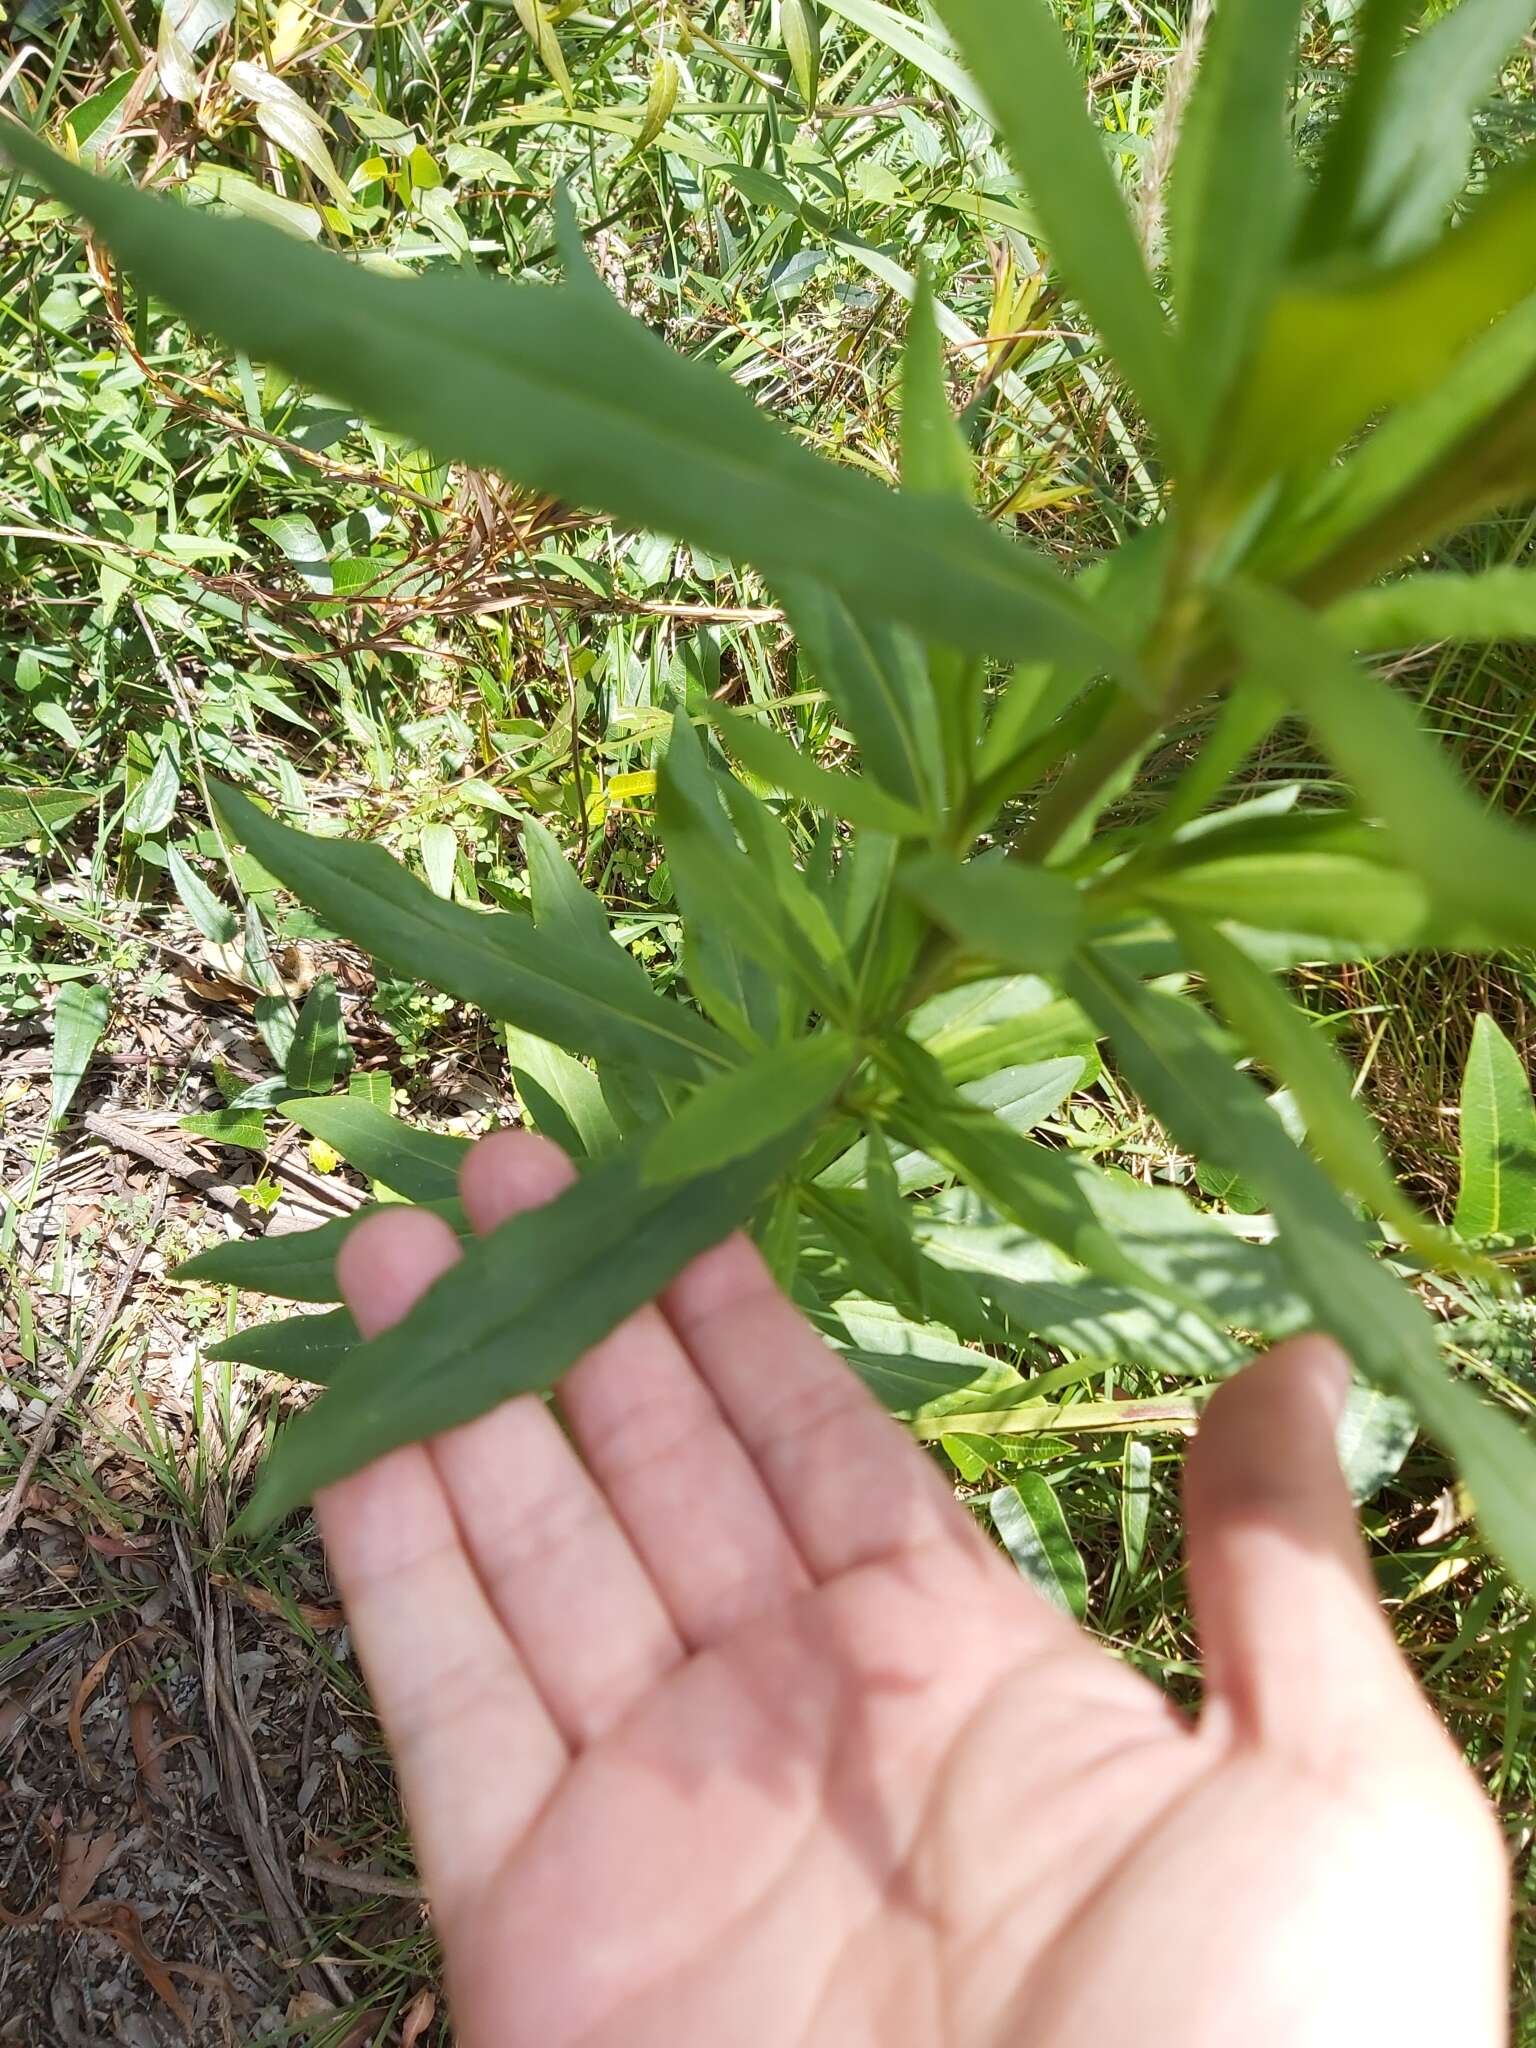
(359, 1880)
(42, 1436)
(172, 1159)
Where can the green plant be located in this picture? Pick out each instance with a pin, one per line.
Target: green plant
(887, 1017)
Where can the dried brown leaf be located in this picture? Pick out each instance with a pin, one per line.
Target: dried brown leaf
(420, 2014)
(81, 1700)
(82, 1858)
(117, 1918)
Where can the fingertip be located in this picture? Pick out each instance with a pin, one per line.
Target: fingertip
(389, 1261)
(509, 1171)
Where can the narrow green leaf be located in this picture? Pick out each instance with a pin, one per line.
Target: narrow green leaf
(1167, 1054)
(1028, 1517)
(561, 903)
(875, 675)
(421, 1165)
(586, 1001)
(1362, 114)
(1479, 867)
(35, 813)
(215, 920)
(1017, 915)
(518, 1309)
(1492, 604)
(1233, 192)
(560, 1097)
(1037, 97)
(782, 765)
(935, 458)
(246, 1128)
(298, 1265)
(300, 1347)
(80, 1013)
(1498, 1140)
(1335, 349)
(1399, 153)
(738, 1114)
(1296, 1053)
(318, 1051)
(1135, 1503)
(559, 389)
(801, 31)
(1466, 444)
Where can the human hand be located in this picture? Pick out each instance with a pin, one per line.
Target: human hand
(734, 1732)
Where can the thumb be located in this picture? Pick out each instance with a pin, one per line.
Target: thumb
(1293, 1635)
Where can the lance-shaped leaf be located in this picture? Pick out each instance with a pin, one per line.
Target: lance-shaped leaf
(1295, 1051)
(559, 389)
(297, 1265)
(1398, 154)
(782, 765)
(1016, 53)
(318, 1050)
(300, 1347)
(1167, 1052)
(1336, 348)
(1233, 192)
(421, 1165)
(80, 1014)
(586, 999)
(1493, 604)
(742, 1111)
(1479, 867)
(1498, 1140)
(1028, 1517)
(1017, 915)
(518, 1309)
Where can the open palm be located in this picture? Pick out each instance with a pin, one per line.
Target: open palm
(732, 1731)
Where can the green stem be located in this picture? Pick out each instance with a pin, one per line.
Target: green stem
(126, 34)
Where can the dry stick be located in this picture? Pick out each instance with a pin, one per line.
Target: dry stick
(359, 1880)
(42, 1436)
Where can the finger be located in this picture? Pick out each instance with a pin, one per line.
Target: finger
(476, 1749)
(564, 1578)
(679, 1482)
(1295, 1642)
(850, 1485)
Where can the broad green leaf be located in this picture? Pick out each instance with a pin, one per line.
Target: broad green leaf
(1375, 1434)
(80, 1013)
(318, 1052)
(1269, 1024)
(215, 920)
(1498, 1140)
(245, 1127)
(301, 1347)
(1336, 348)
(1028, 1517)
(421, 1165)
(936, 460)
(1233, 192)
(561, 903)
(559, 389)
(1005, 911)
(876, 677)
(519, 1308)
(742, 1111)
(34, 813)
(153, 804)
(376, 1088)
(999, 1022)
(1467, 444)
(583, 1000)
(536, 20)
(1167, 1054)
(299, 1265)
(560, 1097)
(1017, 55)
(1399, 154)
(1493, 604)
(1479, 867)
(777, 761)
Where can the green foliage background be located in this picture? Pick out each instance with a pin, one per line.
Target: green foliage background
(987, 1119)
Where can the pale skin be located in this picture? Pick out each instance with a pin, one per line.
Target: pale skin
(720, 1725)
